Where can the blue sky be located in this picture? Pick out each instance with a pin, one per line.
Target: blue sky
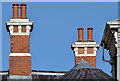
(55, 29)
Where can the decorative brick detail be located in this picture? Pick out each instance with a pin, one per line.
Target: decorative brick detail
(80, 50)
(90, 50)
(15, 29)
(19, 65)
(89, 59)
(19, 43)
(23, 29)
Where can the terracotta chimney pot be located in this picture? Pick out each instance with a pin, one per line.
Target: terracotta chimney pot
(15, 10)
(23, 10)
(90, 34)
(80, 34)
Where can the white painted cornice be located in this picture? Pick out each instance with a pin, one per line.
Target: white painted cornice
(85, 45)
(19, 20)
(19, 23)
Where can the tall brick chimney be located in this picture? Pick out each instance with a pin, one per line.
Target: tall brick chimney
(90, 34)
(85, 50)
(19, 57)
(80, 34)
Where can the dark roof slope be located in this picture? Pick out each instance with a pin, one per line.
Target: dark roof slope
(84, 70)
(83, 64)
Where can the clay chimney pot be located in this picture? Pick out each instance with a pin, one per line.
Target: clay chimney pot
(90, 34)
(23, 10)
(80, 34)
(15, 10)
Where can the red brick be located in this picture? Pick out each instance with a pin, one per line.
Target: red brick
(80, 50)
(19, 43)
(89, 59)
(15, 29)
(90, 50)
(23, 29)
(17, 65)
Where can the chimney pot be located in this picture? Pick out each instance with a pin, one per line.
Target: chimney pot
(23, 10)
(90, 34)
(80, 34)
(15, 10)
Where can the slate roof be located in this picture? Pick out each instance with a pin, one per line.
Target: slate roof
(83, 64)
(84, 70)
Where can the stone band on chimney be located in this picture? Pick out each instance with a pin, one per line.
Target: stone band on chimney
(90, 34)
(80, 34)
(23, 10)
(15, 10)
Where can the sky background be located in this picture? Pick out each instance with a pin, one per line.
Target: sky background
(55, 29)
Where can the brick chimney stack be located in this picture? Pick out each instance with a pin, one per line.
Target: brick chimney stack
(90, 34)
(19, 57)
(80, 34)
(15, 10)
(23, 10)
(85, 50)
